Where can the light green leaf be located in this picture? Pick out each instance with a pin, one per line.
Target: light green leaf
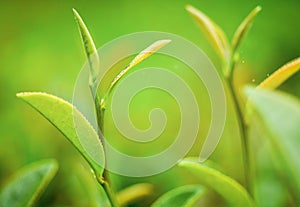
(231, 190)
(25, 187)
(279, 114)
(139, 58)
(243, 28)
(281, 75)
(133, 193)
(184, 196)
(90, 50)
(72, 124)
(213, 32)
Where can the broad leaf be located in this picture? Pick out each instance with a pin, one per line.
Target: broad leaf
(281, 75)
(133, 193)
(279, 114)
(231, 190)
(139, 58)
(90, 50)
(72, 124)
(243, 28)
(213, 31)
(25, 187)
(184, 196)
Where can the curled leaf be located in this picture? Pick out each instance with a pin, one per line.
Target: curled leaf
(134, 193)
(281, 75)
(184, 196)
(72, 124)
(243, 28)
(90, 50)
(139, 58)
(231, 190)
(213, 31)
(25, 187)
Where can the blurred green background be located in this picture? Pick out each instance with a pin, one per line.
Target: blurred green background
(41, 50)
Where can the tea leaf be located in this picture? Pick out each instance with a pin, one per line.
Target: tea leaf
(213, 31)
(134, 193)
(72, 124)
(243, 28)
(184, 196)
(281, 75)
(231, 190)
(139, 58)
(90, 50)
(279, 115)
(25, 187)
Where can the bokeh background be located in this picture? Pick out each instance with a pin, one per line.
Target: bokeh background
(41, 50)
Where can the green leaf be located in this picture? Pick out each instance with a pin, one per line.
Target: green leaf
(279, 114)
(139, 58)
(25, 187)
(243, 28)
(184, 196)
(281, 75)
(90, 50)
(72, 124)
(213, 32)
(231, 190)
(133, 193)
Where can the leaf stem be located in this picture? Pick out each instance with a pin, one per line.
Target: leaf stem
(104, 180)
(242, 129)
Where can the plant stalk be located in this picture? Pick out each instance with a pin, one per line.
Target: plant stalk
(242, 129)
(104, 181)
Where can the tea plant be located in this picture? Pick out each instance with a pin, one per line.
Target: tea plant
(264, 107)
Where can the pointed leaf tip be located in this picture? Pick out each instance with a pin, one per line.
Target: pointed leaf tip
(281, 75)
(139, 58)
(243, 28)
(213, 31)
(90, 50)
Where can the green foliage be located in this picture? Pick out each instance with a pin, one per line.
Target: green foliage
(265, 108)
(231, 190)
(184, 196)
(72, 124)
(26, 186)
(279, 114)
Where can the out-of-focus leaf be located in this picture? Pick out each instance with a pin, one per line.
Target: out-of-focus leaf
(27, 185)
(134, 193)
(72, 124)
(279, 114)
(90, 50)
(281, 75)
(184, 196)
(213, 31)
(243, 28)
(231, 190)
(139, 58)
